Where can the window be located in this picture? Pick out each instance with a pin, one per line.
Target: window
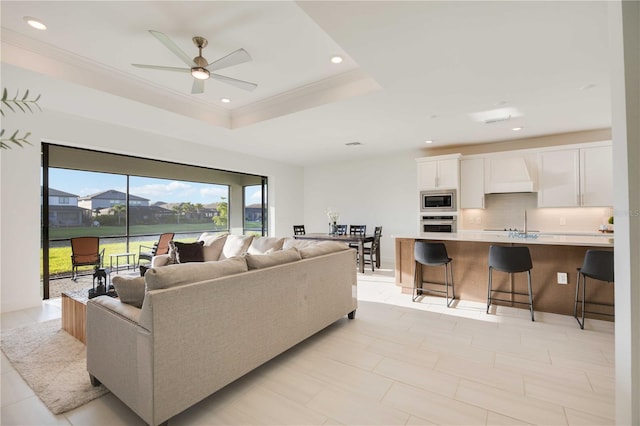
(127, 210)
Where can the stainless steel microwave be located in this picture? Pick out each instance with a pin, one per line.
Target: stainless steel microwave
(438, 201)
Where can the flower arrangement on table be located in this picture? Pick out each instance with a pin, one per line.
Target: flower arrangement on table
(333, 221)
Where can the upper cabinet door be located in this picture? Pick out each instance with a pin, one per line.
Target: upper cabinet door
(472, 183)
(438, 174)
(448, 173)
(596, 176)
(428, 175)
(559, 179)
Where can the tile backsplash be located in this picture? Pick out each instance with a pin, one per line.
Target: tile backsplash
(507, 211)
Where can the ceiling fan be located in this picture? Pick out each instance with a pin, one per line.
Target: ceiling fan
(198, 66)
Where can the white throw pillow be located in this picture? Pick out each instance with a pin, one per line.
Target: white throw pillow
(235, 245)
(213, 245)
(262, 245)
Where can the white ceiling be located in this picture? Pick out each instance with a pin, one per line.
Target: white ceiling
(413, 70)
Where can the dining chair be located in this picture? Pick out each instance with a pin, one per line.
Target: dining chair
(85, 251)
(158, 248)
(298, 230)
(360, 230)
(371, 250)
(342, 229)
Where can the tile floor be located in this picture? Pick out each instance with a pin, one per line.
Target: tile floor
(397, 363)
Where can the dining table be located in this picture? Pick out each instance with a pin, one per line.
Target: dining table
(358, 239)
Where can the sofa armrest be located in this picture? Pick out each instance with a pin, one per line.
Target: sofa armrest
(160, 260)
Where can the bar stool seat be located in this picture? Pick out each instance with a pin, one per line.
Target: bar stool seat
(511, 260)
(597, 265)
(433, 254)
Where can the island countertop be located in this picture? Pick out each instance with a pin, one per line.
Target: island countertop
(507, 237)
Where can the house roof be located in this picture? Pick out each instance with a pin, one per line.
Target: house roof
(452, 72)
(111, 194)
(57, 193)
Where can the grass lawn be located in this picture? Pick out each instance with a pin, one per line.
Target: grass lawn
(114, 231)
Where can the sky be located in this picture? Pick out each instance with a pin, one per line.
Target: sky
(83, 183)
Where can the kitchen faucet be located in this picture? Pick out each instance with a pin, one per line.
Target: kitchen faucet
(525, 221)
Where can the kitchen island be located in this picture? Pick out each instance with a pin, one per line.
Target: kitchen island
(550, 253)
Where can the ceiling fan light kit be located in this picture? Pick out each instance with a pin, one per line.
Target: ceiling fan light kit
(199, 68)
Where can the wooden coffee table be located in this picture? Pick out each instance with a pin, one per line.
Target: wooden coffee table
(74, 313)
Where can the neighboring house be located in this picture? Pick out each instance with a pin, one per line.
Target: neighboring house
(64, 210)
(253, 213)
(108, 199)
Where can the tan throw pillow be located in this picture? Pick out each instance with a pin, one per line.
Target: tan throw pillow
(189, 252)
(130, 290)
(213, 244)
(177, 275)
(235, 245)
(259, 261)
(322, 247)
(262, 245)
(292, 242)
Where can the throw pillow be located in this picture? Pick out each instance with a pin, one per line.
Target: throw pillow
(172, 253)
(130, 290)
(213, 244)
(235, 245)
(189, 252)
(262, 245)
(177, 275)
(259, 261)
(322, 247)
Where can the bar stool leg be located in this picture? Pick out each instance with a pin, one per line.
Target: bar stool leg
(489, 291)
(415, 281)
(453, 289)
(575, 303)
(530, 294)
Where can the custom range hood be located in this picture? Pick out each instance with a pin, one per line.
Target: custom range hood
(510, 174)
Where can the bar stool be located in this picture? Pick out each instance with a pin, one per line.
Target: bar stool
(433, 254)
(598, 265)
(510, 259)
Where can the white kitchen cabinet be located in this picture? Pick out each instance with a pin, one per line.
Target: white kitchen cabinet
(596, 176)
(576, 177)
(438, 172)
(472, 183)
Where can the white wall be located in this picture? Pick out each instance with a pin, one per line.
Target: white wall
(624, 25)
(378, 191)
(20, 187)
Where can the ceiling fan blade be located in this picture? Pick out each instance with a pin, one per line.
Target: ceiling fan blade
(235, 82)
(169, 44)
(198, 86)
(234, 58)
(160, 67)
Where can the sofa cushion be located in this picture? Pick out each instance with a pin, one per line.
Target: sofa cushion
(262, 245)
(292, 242)
(130, 290)
(213, 245)
(180, 274)
(189, 252)
(111, 303)
(259, 261)
(322, 247)
(235, 245)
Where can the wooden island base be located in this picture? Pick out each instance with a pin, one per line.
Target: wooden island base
(470, 272)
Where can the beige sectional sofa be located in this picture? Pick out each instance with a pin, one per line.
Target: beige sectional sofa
(187, 330)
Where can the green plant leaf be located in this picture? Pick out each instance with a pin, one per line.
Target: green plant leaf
(4, 94)
(26, 95)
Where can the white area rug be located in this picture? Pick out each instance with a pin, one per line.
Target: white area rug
(53, 363)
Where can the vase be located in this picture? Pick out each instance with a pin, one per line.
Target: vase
(333, 228)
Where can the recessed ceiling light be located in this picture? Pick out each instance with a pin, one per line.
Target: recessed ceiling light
(35, 23)
(353, 143)
(429, 141)
(225, 100)
(517, 129)
(336, 59)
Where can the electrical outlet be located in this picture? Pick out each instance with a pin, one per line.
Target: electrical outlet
(478, 220)
(562, 278)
